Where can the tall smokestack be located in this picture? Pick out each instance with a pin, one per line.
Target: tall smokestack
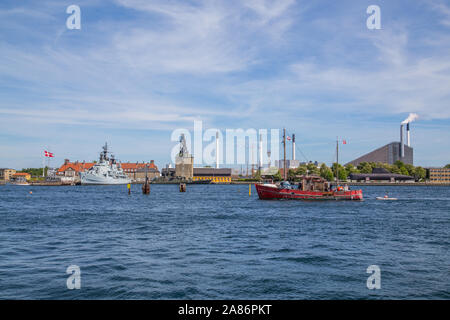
(260, 152)
(293, 146)
(408, 141)
(411, 118)
(217, 150)
(402, 146)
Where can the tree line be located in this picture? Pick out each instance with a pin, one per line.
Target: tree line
(329, 173)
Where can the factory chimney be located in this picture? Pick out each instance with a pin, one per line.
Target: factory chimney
(260, 165)
(408, 141)
(411, 118)
(293, 146)
(402, 145)
(217, 150)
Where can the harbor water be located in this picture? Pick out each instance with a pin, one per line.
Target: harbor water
(217, 242)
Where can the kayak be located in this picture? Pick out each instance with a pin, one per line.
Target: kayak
(386, 198)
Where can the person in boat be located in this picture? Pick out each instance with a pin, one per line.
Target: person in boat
(286, 185)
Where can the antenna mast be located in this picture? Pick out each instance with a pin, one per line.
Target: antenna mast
(284, 149)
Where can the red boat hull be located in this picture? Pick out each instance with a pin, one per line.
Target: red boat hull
(271, 193)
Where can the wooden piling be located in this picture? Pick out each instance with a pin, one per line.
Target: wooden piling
(146, 187)
(182, 187)
(129, 188)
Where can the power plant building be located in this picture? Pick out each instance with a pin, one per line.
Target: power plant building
(389, 154)
(393, 151)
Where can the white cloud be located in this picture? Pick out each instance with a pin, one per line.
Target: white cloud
(444, 10)
(203, 37)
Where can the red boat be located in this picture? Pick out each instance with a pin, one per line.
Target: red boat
(272, 192)
(310, 187)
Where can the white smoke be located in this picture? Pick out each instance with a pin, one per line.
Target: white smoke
(411, 118)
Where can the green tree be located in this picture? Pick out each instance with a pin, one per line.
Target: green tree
(277, 176)
(292, 174)
(351, 169)
(365, 167)
(302, 170)
(447, 166)
(399, 164)
(411, 170)
(342, 172)
(404, 171)
(420, 173)
(312, 169)
(35, 172)
(326, 172)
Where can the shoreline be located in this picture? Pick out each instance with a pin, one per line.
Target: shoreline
(370, 184)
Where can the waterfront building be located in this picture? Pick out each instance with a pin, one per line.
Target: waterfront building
(72, 169)
(137, 171)
(215, 175)
(380, 175)
(20, 176)
(439, 175)
(6, 174)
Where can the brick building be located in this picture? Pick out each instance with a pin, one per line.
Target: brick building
(136, 171)
(72, 169)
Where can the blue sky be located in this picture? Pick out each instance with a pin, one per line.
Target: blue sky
(139, 69)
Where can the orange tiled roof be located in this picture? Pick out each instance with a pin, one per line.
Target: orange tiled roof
(21, 174)
(135, 165)
(78, 167)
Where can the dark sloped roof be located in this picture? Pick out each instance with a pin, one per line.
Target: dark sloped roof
(212, 172)
(379, 176)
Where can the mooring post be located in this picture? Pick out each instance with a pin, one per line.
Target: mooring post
(129, 188)
(182, 187)
(250, 190)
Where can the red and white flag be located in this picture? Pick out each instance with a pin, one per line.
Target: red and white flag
(344, 141)
(48, 154)
(288, 138)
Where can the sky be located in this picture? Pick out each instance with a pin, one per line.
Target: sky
(139, 69)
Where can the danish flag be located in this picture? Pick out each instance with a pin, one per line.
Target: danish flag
(48, 154)
(344, 141)
(288, 138)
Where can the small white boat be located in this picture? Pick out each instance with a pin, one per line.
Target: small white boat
(386, 198)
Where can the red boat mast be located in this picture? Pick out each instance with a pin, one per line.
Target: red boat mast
(284, 147)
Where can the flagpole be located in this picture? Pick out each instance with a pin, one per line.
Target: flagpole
(337, 161)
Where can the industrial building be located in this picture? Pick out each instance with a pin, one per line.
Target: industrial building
(391, 152)
(214, 175)
(380, 175)
(184, 162)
